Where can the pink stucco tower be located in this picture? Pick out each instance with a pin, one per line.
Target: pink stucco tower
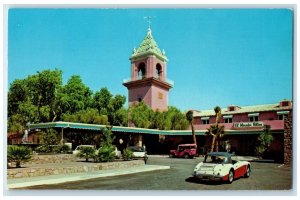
(148, 80)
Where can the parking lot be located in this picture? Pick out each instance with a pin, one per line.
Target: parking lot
(264, 176)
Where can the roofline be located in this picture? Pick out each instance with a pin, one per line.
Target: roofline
(226, 112)
(147, 54)
(61, 124)
(156, 81)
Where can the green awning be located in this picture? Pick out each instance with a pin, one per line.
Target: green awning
(133, 130)
(72, 125)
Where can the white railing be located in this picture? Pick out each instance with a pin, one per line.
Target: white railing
(126, 80)
(171, 82)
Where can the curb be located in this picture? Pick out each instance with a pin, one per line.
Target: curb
(56, 179)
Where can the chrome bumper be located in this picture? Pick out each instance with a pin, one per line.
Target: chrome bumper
(208, 177)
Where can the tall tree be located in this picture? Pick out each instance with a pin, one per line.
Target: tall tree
(190, 118)
(43, 88)
(177, 118)
(215, 131)
(18, 93)
(115, 104)
(140, 115)
(74, 96)
(89, 116)
(101, 100)
(33, 99)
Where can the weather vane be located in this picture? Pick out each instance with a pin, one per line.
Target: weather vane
(149, 20)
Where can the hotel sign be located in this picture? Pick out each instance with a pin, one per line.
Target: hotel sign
(248, 125)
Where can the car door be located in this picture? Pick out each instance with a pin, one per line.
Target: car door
(239, 169)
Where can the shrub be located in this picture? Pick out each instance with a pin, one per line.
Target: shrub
(264, 141)
(43, 149)
(106, 154)
(53, 149)
(86, 152)
(127, 154)
(64, 149)
(18, 154)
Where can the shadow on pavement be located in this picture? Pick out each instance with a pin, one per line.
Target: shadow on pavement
(195, 180)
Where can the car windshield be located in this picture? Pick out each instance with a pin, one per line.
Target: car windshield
(215, 159)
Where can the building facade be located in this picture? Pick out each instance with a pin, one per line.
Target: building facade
(244, 124)
(148, 81)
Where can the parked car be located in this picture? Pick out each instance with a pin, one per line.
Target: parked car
(77, 149)
(221, 166)
(118, 153)
(139, 152)
(184, 151)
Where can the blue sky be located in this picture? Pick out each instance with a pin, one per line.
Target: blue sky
(216, 56)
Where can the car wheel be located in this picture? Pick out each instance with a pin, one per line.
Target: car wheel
(248, 172)
(171, 155)
(230, 176)
(186, 156)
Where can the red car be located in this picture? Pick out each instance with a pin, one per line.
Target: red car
(184, 151)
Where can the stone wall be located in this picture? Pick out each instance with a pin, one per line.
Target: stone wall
(76, 167)
(288, 131)
(57, 158)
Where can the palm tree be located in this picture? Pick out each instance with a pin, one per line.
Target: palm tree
(190, 118)
(18, 154)
(216, 131)
(86, 152)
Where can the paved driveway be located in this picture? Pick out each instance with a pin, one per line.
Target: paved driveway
(265, 176)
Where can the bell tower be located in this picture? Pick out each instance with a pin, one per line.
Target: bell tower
(148, 80)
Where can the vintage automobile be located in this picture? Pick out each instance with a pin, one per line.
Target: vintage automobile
(139, 153)
(221, 166)
(184, 151)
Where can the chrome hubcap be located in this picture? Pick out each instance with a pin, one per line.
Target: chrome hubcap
(230, 176)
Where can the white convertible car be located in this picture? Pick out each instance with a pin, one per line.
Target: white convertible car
(221, 166)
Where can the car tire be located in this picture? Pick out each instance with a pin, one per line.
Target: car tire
(186, 156)
(171, 155)
(230, 176)
(248, 172)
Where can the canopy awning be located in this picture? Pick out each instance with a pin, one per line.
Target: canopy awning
(133, 130)
(253, 114)
(283, 112)
(96, 127)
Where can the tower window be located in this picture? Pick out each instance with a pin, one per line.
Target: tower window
(158, 71)
(141, 71)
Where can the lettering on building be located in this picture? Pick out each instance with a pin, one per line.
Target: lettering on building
(248, 125)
